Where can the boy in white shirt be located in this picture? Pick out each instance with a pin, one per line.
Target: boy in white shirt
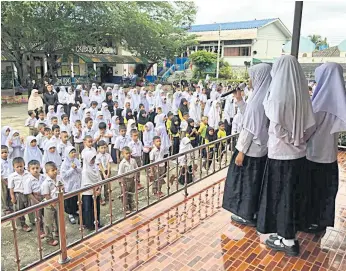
(157, 177)
(88, 145)
(102, 134)
(65, 126)
(56, 134)
(136, 147)
(40, 136)
(63, 144)
(6, 169)
(103, 160)
(30, 122)
(184, 125)
(53, 121)
(77, 132)
(121, 141)
(41, 119)
(88, 130)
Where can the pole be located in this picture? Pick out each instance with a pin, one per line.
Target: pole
(63, 258)
(297, 23)
(218, 54)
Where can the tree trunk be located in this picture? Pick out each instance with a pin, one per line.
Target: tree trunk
(32, 67)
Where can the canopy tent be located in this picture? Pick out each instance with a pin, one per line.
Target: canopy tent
(101, 58)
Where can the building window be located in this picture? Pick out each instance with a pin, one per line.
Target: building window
(237, 51)
(245, 51)
(66, 70)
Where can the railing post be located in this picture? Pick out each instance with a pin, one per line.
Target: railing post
(61, 223)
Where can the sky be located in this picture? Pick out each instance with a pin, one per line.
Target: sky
(325, 18)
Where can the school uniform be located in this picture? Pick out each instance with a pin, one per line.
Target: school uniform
(88, 132)
(243, 183)
(16, 182)
(40, 138)
(39, 121)
(208, 153)
(202, 131)
(157, 174)
(175, 130)
(66, 128)
(120, 143)
(136, 153)
(103, 160)
(78, 140)
(6, 170)
(128, 182)
(62, 147)
(50, 218)
(183, 128)
(30, 123)
(148, 142)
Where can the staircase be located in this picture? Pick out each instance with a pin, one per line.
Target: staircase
(179, 75)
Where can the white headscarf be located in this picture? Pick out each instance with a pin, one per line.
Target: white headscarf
(74, 115)
(207, 107)
(90, 173)
(129, 128)
(63, 96)
(92, 90)
(195, 111)
(229, 110)
(177, 96)
(135, 100)
(106, 114)
(59, 112)
(121, 98)
(81, 110)
(159, 120)
(51, 157)
(35, 101)
(288, 102)
(214, 115)
(157, 95)
(85, 98)
(51, 112)
(115, 91)
(165, 142)
(149, 134)
(330, 94)
(3, 134)
(144, 100)
(31, 153)
(255, 120)
(185, 145)
(151, 100)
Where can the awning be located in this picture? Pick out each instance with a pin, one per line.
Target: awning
(101, 58)
(257, 61)
(6, 57)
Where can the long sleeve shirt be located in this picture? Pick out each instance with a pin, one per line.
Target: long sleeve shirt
(50, 98)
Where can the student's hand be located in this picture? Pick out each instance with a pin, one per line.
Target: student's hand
(73, 165)
(22, 139)
(13, 200)
(239, 159)
(10, 142)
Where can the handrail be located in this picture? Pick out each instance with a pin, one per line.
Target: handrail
(173, 168)
(168, 72)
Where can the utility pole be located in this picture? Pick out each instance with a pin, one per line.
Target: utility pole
(298, 10)
(218, 54)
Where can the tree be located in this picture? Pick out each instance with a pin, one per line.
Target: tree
(225, 70)
(202, 60)
(318, 41)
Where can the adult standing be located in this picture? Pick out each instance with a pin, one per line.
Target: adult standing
(35, 102)
(50, 98)
(289, 110)
(329, 106)
(245, 172)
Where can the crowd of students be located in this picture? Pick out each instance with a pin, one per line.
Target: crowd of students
(283, 176)
(83, 132)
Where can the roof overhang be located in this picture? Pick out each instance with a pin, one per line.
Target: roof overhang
(281, 26)
(238, 34)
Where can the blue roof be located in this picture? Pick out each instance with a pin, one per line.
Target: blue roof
(305, 46)
(231, 26)
(342, 46)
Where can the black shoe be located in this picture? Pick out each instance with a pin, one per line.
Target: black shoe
(289, 250)
(273, 237)
(315, 229)
(239, 220)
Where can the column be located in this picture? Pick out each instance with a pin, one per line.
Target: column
(94, 66)
(45, 65)
(72, 73)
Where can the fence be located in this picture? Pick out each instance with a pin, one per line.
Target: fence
(171, 175)
(342, 140)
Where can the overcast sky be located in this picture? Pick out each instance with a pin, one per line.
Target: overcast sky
(325, 18)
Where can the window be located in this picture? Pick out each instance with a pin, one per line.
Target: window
(237, 51)
(245, 51)
(66, 70)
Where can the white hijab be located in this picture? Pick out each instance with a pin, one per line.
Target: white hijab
(330, 94)
(229, 110)
(207, 107)
(3, 134)
(90, 173)
(185, 145)
(51, 157)
(63, 96)
(74, 115)
(135, 100)
(31, 153)
(129, 128)
(288, 102)
(59, 112)
(165, 142)
(149, 134)
(106, 114)
(121, 98)
(195, 111)
(255, 120)
(35, 101)
(85, 98)
(214, 115)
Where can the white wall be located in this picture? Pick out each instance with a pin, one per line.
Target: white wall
(322, 59)
(237, 60)
(269, 42)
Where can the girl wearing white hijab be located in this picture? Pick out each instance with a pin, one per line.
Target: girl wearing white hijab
(195, 111)
(245, 172)
(15, 144)
(106, 114)
(151, 100)
(144, 100)
(115, 132)
(288, 107)
(207, 107)
(97, 98)
(5, 131)
(35, 101)
(121, 97)
(71, 175)
(165, 142)
(148, 136)
(185, 162)
(214, 115)
(50, 113)
(329, 106)
(131, 124)
(135, 100)
(51, 154)
(177, 96)
(85, 97)
(74, 115)
(63, 96)
(115, 91)
(228, 113)
(59, 112)
(32, 152)
(90, 176)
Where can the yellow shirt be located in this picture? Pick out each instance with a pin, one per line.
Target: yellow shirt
(202, 130)
(221, 134)
(180, 115)
(140, 127)
(168, 126)
(211, 146)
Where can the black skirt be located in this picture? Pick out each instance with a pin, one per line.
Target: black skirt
(243, 186)
(88, 211)
(146, 158)
(71, 206)
(323, 183)
(282, 197)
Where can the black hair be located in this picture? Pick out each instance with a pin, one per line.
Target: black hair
(4, 147)
(94, 103)
(221, 123)
(186, 113)
(18, 160)
(34, 163)
(170, 114)
(50, 165)
(134, 131)
(53, 118)
(47, 129)
(63, 132)
(122, 127)
(102, 143)
(54, 127)
(40, 125)
(141, 105)
(40, 112)
(87, 137)
(87, 120)
(30, 112)
(156, 137)
(126, 148)
(64, 116)
(78, 121)
(102, 125)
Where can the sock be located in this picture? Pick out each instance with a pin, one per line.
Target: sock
(288, 242)
(70, 216)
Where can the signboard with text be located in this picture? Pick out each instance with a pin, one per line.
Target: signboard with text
(95, 50)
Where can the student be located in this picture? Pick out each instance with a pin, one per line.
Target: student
(56, 134)
(89, 130)
(214, 115)
(175, 130)
(245, 172)
(53, 121)
(195, 111)
(186, 162)
(184, 125)
(228, 113)
(192, 133)
(110, 103)
(136, 147)
(329, 106)
(90, 176)
(157, 176)
(47, 136)
(202, 131)
(32, 151)
(237, 123)
(65, 125)
(6, 170)
(208, 152)
(183, 108)
(99, 119)
(93, 109)
(115, 133)
(71, 175)
(151, 114)
(16, 186)
(60, 112)
(51, 154)
(103, 161)
(15, 144)
(74, 115)
(50, 113)
(32, 189)
(30, 123)
(77, 133)
(121, 141)
(128, 183)
(221, 146)
(159, 118)
(148, 136)
(169, 124)
(106, 114)
(41, 119)
(207, 107)
(142, 120)
(102, 134)
(290, 115)
(49, 191)
(88, 145)
(130, 126)
(63, 144)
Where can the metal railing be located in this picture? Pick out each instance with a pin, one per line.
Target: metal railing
(170, 71)
(173, 174)
(342, 140)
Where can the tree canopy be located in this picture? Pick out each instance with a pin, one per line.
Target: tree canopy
(155, 30)
(202, 60)
(318, 40)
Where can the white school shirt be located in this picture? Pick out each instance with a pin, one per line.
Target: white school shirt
(322, 146)
(87, 149)
(250, 146)
(127, 166)
(30, 122)
(136, 148)
(76, 138)
(16, 181)
(6, 168)
(49, 187)
(106, 139)
(40, 138)
(44, 121)
(67, 128)
(87, 131)
(237, 123)
(121, 142)
(157, 155)
(33, 185)
(183, 125)
(103, 159)
(61, 149)
(70, 176)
